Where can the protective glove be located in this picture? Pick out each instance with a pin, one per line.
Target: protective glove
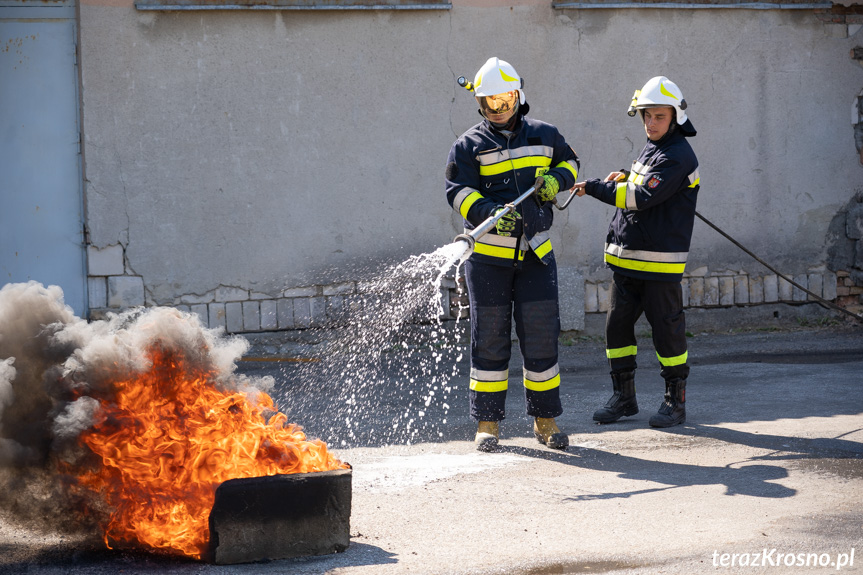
(549, 189)
(506, 224)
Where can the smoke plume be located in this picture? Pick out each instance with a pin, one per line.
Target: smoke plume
(56, 373)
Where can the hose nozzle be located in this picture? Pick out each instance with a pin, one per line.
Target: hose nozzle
(464, 83)
(631, 111)
(470, 241)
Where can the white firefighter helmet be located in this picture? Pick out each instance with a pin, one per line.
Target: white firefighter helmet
(496, 77)
(661, 92)
(497, 86)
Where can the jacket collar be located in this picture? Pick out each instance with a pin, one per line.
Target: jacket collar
(670, 136)
(516, 127)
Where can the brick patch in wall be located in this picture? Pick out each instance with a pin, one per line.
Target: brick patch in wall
(97, 292)
(726, 290)
(234, 316)
(251, 316)
(107, 261)
(240, 311)
(237, 310)
(839, 14)
(217, 315)
(269, 315)
(285, 313)
(771, 289)
(756, 289)
(125, 291)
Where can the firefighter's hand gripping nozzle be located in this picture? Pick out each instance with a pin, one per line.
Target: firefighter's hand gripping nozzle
(472, 236)
(485, 227)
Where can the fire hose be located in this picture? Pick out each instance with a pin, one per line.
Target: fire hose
(820, 299)
(470, 237)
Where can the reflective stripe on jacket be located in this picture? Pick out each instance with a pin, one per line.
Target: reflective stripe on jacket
(651, 231)
(487, 168)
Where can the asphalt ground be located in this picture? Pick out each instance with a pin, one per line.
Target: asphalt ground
(765, 475)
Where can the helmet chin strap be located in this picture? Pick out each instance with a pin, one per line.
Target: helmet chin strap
(509, 124)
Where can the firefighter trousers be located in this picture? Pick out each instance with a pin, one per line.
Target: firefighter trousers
(662, 304)
(529, 295)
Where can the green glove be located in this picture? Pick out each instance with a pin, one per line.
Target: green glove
(549, 189)
(506, 224)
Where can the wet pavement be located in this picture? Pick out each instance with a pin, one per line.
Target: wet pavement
(765, 475)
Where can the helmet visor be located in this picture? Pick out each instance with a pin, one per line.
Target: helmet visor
(499, 103)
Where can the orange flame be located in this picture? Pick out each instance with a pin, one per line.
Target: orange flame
(168, 438)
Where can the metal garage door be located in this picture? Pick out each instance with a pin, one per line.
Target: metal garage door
(41, 219)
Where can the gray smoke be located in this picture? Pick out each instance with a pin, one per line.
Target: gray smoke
(56, 370)
(9, 450)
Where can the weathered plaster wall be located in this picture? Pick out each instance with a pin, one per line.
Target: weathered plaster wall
(267, 150)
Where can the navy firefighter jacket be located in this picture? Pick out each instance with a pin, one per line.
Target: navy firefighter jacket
(649, 236)
(487, 168)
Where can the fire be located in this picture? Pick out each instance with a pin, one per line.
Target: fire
(169, 436)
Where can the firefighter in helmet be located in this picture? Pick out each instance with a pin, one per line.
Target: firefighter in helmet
(646, 248)
(511, 272)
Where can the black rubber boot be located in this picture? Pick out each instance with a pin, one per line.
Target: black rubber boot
(673, 409)
(622, 402)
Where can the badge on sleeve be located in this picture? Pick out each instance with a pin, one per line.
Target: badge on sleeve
(653, 182)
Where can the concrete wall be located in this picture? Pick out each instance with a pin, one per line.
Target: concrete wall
(258, 152)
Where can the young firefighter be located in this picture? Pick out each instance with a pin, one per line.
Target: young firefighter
(646, 247)
(511, 272)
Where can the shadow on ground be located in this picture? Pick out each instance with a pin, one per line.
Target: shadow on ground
(88, 558)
